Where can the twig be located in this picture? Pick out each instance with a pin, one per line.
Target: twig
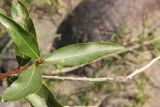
(18, 70)
(143, 68)
(105, 79)
(12, 72)
(119, 79)
(85, 79)
(115, 79)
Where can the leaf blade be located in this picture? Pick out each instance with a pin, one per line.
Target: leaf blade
(22, 38)
(28, 82)
(20, 15)
(21, 58)
(48, 96)
(36, 101)
(82, 53)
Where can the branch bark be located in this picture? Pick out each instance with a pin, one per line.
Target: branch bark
(120, 79)
(115, 79)
(85, 79)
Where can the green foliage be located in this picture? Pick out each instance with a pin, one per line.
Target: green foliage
(26, 44)
(21, 16)
(27, 3)
(46, 94)
(28, 82)
(36, 101)
(43, 98)
(82, 53)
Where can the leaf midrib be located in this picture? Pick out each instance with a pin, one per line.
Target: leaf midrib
(30, 47)
(3, 16)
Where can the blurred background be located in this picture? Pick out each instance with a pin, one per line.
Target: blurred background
(132, 24)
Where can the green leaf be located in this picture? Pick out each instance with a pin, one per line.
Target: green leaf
(2, 11)
(21, 58)
(43, 98)
(20, 15)
(24, 40)
(27, 3)
(28, 82)
(48, 96)
(36, 101)
(82, 53)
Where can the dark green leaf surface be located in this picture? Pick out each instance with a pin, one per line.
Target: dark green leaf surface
(20, 15)
(24, 40)
(27, 3)
(82, 53)
(48, 96)
(28, 82)
(21, 58)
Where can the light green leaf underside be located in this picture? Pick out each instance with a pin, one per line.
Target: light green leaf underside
(24, 40)
(36, 101)
(48, 96)
(82, 53)
(28, 82)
